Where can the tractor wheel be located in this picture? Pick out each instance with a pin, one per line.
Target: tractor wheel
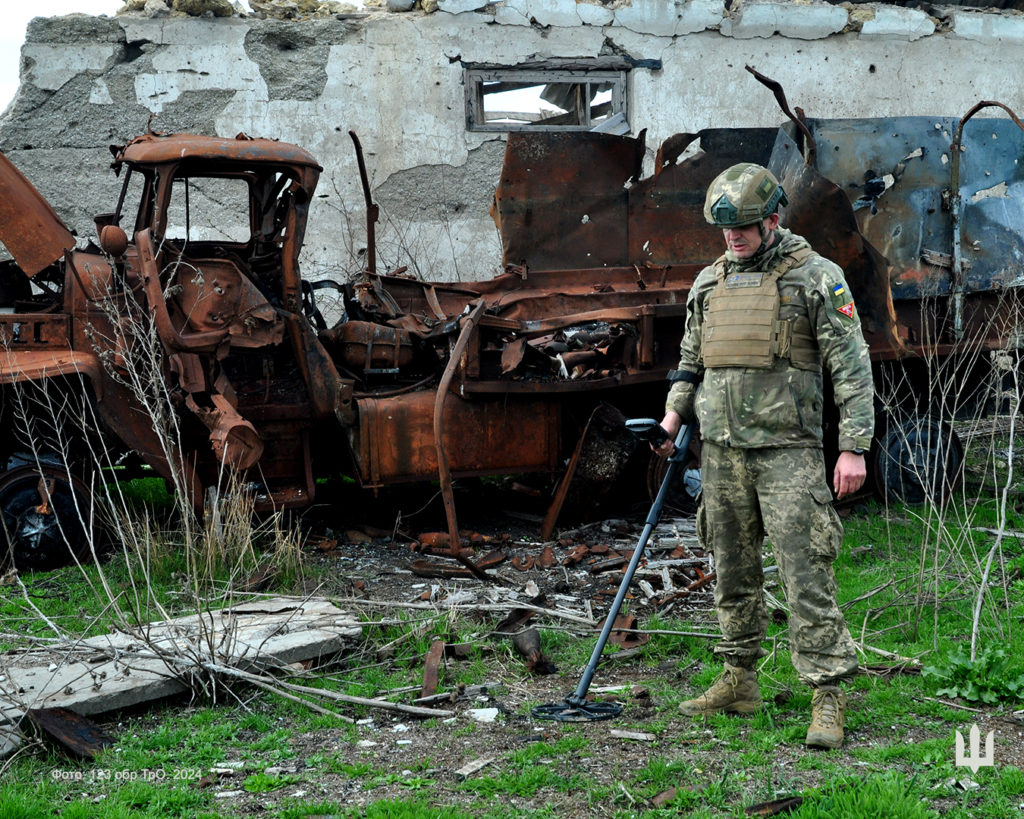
(47, 518)
(918, 459)
(687, 480)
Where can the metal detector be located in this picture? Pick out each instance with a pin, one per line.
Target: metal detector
(575, 708)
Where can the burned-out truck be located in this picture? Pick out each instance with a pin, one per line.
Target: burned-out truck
(199, 349)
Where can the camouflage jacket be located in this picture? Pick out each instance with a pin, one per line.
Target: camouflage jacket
(782, 406)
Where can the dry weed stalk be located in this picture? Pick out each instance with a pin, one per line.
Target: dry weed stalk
(925, 405)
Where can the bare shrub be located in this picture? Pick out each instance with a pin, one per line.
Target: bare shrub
(209, 556)
(945, 416)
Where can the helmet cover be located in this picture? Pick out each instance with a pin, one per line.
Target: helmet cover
(743, 195)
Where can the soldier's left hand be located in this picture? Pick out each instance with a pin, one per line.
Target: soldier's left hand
(850, 473)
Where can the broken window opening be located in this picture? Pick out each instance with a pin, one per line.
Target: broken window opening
(136, 200)
(546, 99)
(208, 209)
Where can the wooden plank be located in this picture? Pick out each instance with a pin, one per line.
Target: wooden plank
(71, 731)
(472, 767)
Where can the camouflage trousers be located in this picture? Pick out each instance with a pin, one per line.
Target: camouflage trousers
(781, 492)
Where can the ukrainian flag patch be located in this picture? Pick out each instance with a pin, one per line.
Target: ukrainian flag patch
(842, 302)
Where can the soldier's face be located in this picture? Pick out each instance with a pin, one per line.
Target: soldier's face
(744, 242)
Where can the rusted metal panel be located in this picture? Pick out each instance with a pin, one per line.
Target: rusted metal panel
(896, 236)
(896, 172)
(666, 209)
(20, 331)
(432, 668)
(154, 148)
(394, 438)
(29, 228)
(552, 185)
(821, 211)
(223, 298)
(17, 366)
(562, 201)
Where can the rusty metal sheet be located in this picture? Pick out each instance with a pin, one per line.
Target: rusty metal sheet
(160, 148)
(896, 172)
(394, 438)
(223, 298)
(896, 176)
(25, 331)
(18, 366)
(562, 201)
(666, 209)
(820, 211)
(431, 668)
(30, 229)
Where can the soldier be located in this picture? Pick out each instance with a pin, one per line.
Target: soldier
(762, 324)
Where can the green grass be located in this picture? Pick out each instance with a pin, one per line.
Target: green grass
(888, 795)
(408, 809)
(897, 763)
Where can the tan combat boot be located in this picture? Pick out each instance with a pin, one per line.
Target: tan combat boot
(828, 715)
(735, 690)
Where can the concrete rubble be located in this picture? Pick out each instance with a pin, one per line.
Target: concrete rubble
(119, 670)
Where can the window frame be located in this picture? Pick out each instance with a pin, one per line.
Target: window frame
(549, 72)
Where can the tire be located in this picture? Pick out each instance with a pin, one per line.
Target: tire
(47, 518)
(678, 498)
(918, 459)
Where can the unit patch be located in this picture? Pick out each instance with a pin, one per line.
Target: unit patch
(841, 301)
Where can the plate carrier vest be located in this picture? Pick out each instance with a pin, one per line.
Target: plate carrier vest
(742, 327)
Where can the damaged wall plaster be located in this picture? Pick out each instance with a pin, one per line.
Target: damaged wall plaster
(397, 80)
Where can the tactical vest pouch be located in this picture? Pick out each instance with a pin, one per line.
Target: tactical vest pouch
(803, 350)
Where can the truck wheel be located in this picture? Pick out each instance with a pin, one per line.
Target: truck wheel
(918, 459)
(683, 495)
(47, 518)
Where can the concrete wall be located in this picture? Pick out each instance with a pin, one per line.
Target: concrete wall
(397, 80)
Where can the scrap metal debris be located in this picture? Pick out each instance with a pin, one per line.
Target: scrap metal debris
(527, 643)
(527, 373)
(431, 669)
(72, 732)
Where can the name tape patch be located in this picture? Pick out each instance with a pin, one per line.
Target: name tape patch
(744, 279)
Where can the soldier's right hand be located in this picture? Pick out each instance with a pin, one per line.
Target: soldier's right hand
(671, 423)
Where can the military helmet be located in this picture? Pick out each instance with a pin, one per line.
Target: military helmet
(743, 195)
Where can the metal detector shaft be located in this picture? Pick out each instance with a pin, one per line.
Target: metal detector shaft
(682, 443)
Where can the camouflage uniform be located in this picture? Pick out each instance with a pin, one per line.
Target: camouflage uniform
(762, 464)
